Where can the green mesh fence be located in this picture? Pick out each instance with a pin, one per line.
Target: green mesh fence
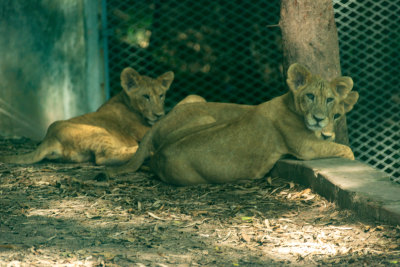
(230, 51)
(369, 34)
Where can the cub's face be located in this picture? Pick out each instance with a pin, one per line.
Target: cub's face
(316, 99)
(338, 111)
(328, 132)
(316, 102)
(146, 95)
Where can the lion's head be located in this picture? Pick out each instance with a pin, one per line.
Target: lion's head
(340, 109)
(145, 94)
(314, 98)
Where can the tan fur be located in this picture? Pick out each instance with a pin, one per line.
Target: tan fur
(218, 142)
(111, 134)
(328, 133)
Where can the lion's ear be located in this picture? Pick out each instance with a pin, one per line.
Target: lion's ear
(297, 76)
(166, 79)
(350, 101)
(343, 85)
(130, 79)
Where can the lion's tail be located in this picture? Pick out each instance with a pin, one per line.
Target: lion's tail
(41, 152)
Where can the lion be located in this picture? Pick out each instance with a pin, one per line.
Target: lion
(110, 135)
(328, 133)
(219, 111)
(220, 142)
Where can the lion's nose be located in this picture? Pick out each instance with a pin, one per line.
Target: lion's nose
(159, 115)
(318, 119)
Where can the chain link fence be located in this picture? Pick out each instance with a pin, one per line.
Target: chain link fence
(230, 51)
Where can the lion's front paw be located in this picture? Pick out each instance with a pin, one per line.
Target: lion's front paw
(347, 153)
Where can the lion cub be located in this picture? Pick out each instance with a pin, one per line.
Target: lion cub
(110, 135)
(217, 142)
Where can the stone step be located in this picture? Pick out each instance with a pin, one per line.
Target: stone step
(348, 183)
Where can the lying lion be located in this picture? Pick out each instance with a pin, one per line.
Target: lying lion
(111, 134)
(218, 142)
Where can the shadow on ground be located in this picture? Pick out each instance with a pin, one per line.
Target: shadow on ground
(54, 213)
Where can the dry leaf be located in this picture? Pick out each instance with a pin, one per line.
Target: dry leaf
(247, 219)
(89, 216)
(306, 191)
(310, 197)
(155, 216)
(246, 237)
(267, 224)
(109, 255)
(199, 212)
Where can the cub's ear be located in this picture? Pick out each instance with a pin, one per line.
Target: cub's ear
(166, 79)
(350, 101)
(297, 76)
(130, 79)
(343, 85)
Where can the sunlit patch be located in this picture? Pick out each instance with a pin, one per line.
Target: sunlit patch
(86, 213)
(62, 209)
(67, 261)
(306, 248)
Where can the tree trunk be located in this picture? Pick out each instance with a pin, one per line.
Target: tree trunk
(309, 37)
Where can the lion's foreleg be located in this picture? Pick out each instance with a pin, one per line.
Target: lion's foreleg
(324, 149)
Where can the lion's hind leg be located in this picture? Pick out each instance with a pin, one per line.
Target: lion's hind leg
(106, 149)
(84, 142)
(115, 155)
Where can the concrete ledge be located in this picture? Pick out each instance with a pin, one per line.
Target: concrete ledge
(350, 184)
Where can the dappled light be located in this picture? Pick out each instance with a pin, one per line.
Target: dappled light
(65, 214)
(61, 60)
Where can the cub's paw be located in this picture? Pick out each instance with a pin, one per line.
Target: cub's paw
(347, 153)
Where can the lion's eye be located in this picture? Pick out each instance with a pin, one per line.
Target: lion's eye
(336, 116)
(329, 99)
(147, 97)
(310, 96)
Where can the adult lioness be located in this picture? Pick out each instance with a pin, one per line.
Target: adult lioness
(235, 130)
(111, 134)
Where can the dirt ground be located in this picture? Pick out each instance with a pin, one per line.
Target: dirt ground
(54, 214)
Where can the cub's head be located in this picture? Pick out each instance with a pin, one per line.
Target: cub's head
(340, 109)
(146, 95)
(315, 98)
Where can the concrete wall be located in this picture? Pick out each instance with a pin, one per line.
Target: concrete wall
(49, 63)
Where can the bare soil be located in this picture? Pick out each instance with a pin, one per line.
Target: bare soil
(69, 215)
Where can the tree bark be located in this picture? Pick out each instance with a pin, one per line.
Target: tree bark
(309, 37)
